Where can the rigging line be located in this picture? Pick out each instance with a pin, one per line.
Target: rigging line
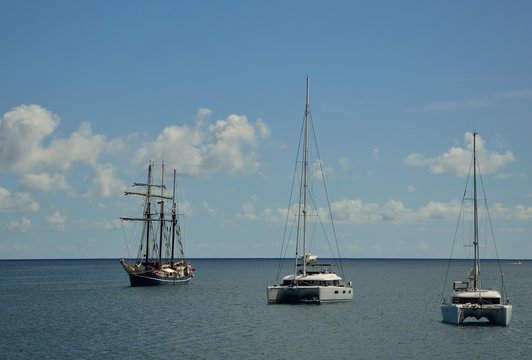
(284, 245)
(128, 252)
(493, 236)
(456, 231)
(326, 195)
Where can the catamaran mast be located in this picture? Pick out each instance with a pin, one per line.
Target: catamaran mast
(475, 215)
(305, 184)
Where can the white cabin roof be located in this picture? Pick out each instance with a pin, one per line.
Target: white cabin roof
(485, 293)
(319, 277)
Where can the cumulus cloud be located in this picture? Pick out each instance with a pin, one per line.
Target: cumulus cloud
(105, 181)
(22, 134)
(357, 211)
(56, 221)
(22, 131)
(209, 208)
(17, 202)
(227, 145)
(248, 212)
(108, 224)
(45, 182)
(520, 212)
(20, 225)
(457, 160)
(28, 148)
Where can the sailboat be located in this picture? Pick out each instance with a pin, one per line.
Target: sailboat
(468, 298)
(311, 281)
(156, 263)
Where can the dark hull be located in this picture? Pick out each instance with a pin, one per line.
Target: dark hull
(151, 279)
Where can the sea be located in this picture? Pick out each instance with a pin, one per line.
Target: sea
(85, 309)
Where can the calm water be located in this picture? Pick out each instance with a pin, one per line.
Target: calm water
(85, 309)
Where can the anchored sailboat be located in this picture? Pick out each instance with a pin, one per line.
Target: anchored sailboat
(160, 231)
(468, 299)
(311, 280)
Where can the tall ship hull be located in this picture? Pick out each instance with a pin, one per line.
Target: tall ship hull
(170, 275)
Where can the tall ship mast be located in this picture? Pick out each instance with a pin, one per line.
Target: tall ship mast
(156, 262)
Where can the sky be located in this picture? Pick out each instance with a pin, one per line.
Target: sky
(91, 91)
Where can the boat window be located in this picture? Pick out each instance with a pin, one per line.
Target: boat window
(336, 291)
(479, 301)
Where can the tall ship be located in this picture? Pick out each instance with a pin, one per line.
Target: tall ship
(311, 280)
(159, 236)
(468, 298)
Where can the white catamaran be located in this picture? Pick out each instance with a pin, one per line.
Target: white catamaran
(311, 281)
(160, 231)
(468, 299)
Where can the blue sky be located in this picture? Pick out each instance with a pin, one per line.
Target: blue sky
(91, 91)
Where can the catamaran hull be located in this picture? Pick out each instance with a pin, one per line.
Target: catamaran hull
(278, 294)
(495, 314)
(151, 279)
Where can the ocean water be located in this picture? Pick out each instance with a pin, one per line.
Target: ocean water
(85, 309)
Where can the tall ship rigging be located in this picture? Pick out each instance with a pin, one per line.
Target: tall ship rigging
(160, 236)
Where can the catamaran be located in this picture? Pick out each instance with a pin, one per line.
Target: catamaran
(311, 281)
(156, 263)
(468, 299)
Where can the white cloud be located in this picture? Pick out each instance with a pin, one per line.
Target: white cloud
(109, 224)
(457, 160)
(209, 208)
(248, 212)
(344, 164)
(21, 225)
(520, 212)
(44, 182)
(43, 165)
(517, 94)
(357, 211)
(21, 132)
(17, 202)
(56, 221)
(106, 184)
(184, 207)
(226, 146)
(479, 102)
